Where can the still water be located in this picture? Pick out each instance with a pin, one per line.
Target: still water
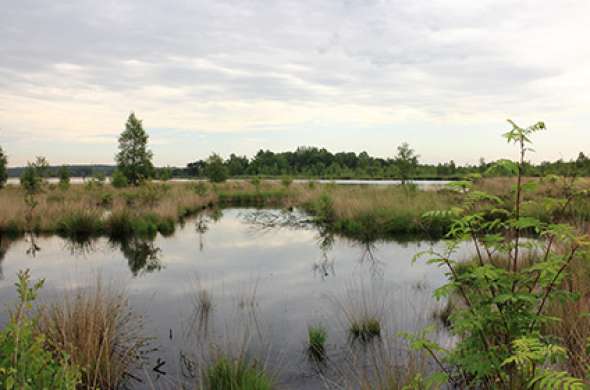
(269, 276)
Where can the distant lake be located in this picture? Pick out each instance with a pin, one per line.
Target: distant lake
(420, 183)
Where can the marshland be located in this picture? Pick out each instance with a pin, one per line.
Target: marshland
(282, 195)
(260, 284)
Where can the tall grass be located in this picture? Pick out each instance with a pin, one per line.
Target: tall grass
(359, 211)
(100, 333)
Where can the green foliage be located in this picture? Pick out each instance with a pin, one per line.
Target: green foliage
(25, 363)
(96, 181)
(3, 170)
(406, 161)
(64, 177)
(215, 169)
(499, 322)
(225, 373)
(165, 174)
(134, 159)
(118, 179)
(324, 208)
(32, 178)
(255, 181)
(80, 224)
(317, 336)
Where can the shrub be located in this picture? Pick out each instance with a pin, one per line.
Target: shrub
(505, 293)
(118, 179)
(25, 363)
(215, 169)
(64, 178)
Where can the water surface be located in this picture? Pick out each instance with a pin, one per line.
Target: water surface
(265, 271)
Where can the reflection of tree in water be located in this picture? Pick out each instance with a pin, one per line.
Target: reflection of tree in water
(325, 266)
(141, 254)
(4, 245)
(201, 227)
(368, 256)
(33, 247)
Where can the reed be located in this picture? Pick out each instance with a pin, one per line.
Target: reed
(99, 332)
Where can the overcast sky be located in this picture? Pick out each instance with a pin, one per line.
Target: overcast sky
(236, 76)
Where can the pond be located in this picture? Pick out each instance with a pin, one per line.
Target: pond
(269, 275)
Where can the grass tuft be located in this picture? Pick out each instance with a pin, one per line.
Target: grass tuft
(98, 331)
(235, 374)
(317, 336)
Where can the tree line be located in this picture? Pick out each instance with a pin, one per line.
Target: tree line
(134, 164)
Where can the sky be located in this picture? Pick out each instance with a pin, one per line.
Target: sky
(231, 76)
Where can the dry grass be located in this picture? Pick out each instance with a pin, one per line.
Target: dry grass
(99, 332)
(573, 329)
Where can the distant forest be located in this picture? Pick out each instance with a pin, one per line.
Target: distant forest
(315, 162)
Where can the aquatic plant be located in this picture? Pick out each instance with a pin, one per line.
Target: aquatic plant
(365, 328)
(240, 374)
(99, 332)
(316, 337)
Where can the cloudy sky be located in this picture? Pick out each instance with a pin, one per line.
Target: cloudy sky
(236, 76)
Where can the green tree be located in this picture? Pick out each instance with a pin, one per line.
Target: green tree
(3, 172)
(32, 177)
(406, 161)
(64, 177)
(134, 159)
(215, 169)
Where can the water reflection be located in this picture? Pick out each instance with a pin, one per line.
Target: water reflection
(142, 255)
(32, 248)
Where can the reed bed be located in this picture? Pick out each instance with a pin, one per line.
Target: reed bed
(358, 211)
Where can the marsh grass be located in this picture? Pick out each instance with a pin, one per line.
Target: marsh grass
(363, 310)
(100, 333)
(226, 373)
(369, 212)
(316, 337)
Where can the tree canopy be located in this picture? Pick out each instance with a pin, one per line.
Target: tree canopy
(134, 159)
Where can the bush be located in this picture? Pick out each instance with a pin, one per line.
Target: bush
(118, 179)
(25, 363)
(215, 169)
